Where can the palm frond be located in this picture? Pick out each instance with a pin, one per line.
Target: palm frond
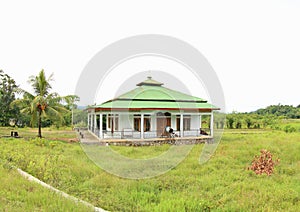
(54, 112)
(41, 84)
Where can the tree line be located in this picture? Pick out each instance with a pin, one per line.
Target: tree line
(251, 121)
(286, 111)
(268, 117)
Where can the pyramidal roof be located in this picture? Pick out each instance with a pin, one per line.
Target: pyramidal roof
(150, 94)
(153, 90)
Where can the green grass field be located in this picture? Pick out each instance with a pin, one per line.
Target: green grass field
(18, 194)
(221, 184)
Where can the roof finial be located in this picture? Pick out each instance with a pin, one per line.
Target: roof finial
(150, 81)
(149, 76)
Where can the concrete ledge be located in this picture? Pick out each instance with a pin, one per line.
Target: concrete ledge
(150, 142)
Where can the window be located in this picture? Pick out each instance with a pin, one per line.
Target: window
(178, 123)
(109, 120)
(147, 123)
(116, 122)
(186, 122)
(137, 123)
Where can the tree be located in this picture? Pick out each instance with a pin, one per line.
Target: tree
(42, 103)
(230, 121)
(248, 121)
(71, 105)
(7, 96)
(80, 118)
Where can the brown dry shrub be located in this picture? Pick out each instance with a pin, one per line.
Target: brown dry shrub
(263, 163)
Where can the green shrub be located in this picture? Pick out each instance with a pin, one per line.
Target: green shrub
(289, 129)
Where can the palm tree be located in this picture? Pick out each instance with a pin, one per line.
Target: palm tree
(42, 103)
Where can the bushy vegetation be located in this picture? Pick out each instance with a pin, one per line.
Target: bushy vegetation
(271, 117)
(286, 111)
(222, 184)
(251, 121)
(7, 96)
(255, 121)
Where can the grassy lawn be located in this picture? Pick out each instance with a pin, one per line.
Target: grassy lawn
(63, 134)
(221, 184)
(18, 194)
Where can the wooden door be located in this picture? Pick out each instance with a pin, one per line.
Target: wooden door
(161, 123)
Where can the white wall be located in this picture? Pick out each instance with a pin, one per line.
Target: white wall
(195, 122)
(153, 122)
(125, 121)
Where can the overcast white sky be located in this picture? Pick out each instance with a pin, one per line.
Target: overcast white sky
(254, 46)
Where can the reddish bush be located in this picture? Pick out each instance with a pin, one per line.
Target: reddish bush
(263, 163)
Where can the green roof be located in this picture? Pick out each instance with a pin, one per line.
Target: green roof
(151, 94)
(155, 105)
(147, 92)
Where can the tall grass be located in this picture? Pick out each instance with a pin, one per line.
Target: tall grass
(221, 184)
(18, 194)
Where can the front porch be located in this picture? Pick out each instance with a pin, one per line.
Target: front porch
(129, 126)
(90, 138)
(131, 134)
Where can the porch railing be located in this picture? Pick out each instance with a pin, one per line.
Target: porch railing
(131, 134)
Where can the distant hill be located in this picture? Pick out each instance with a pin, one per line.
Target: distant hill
(81, 107)
(287, 111)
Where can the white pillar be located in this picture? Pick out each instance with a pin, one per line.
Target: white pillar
(181, 125)
(92, 122)
(212, 124)
(142, 126)
(100, 126)
(200, 117)
(107, 121)
(88, 122)
(95, 122)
